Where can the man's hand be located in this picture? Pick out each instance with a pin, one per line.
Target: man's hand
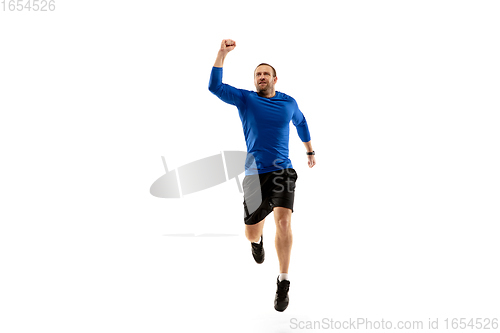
(227, 45)
(311, 160)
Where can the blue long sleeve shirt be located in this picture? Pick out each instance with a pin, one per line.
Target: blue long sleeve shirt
(266, 124)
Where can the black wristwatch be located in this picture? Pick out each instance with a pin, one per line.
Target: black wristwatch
(310, 153)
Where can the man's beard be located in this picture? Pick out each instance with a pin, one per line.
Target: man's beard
(265, 89)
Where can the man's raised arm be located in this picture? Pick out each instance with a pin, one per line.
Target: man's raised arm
(225, 92)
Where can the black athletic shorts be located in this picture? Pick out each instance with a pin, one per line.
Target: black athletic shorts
(263, 192)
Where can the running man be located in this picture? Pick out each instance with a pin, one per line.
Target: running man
(269, 183)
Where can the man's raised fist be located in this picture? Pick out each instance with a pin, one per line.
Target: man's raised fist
(227, 45)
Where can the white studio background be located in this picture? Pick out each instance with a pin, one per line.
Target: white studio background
(398, 220)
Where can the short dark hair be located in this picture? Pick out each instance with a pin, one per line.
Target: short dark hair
(274, 71)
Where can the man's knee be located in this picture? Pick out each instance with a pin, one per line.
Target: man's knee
(252, 235)
(283, 225)
(283, 218)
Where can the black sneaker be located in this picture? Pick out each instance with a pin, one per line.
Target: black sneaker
(281, 299)
(258, 251)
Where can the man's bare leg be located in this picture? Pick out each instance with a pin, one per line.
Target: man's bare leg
(283, 240)
(254, 231)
